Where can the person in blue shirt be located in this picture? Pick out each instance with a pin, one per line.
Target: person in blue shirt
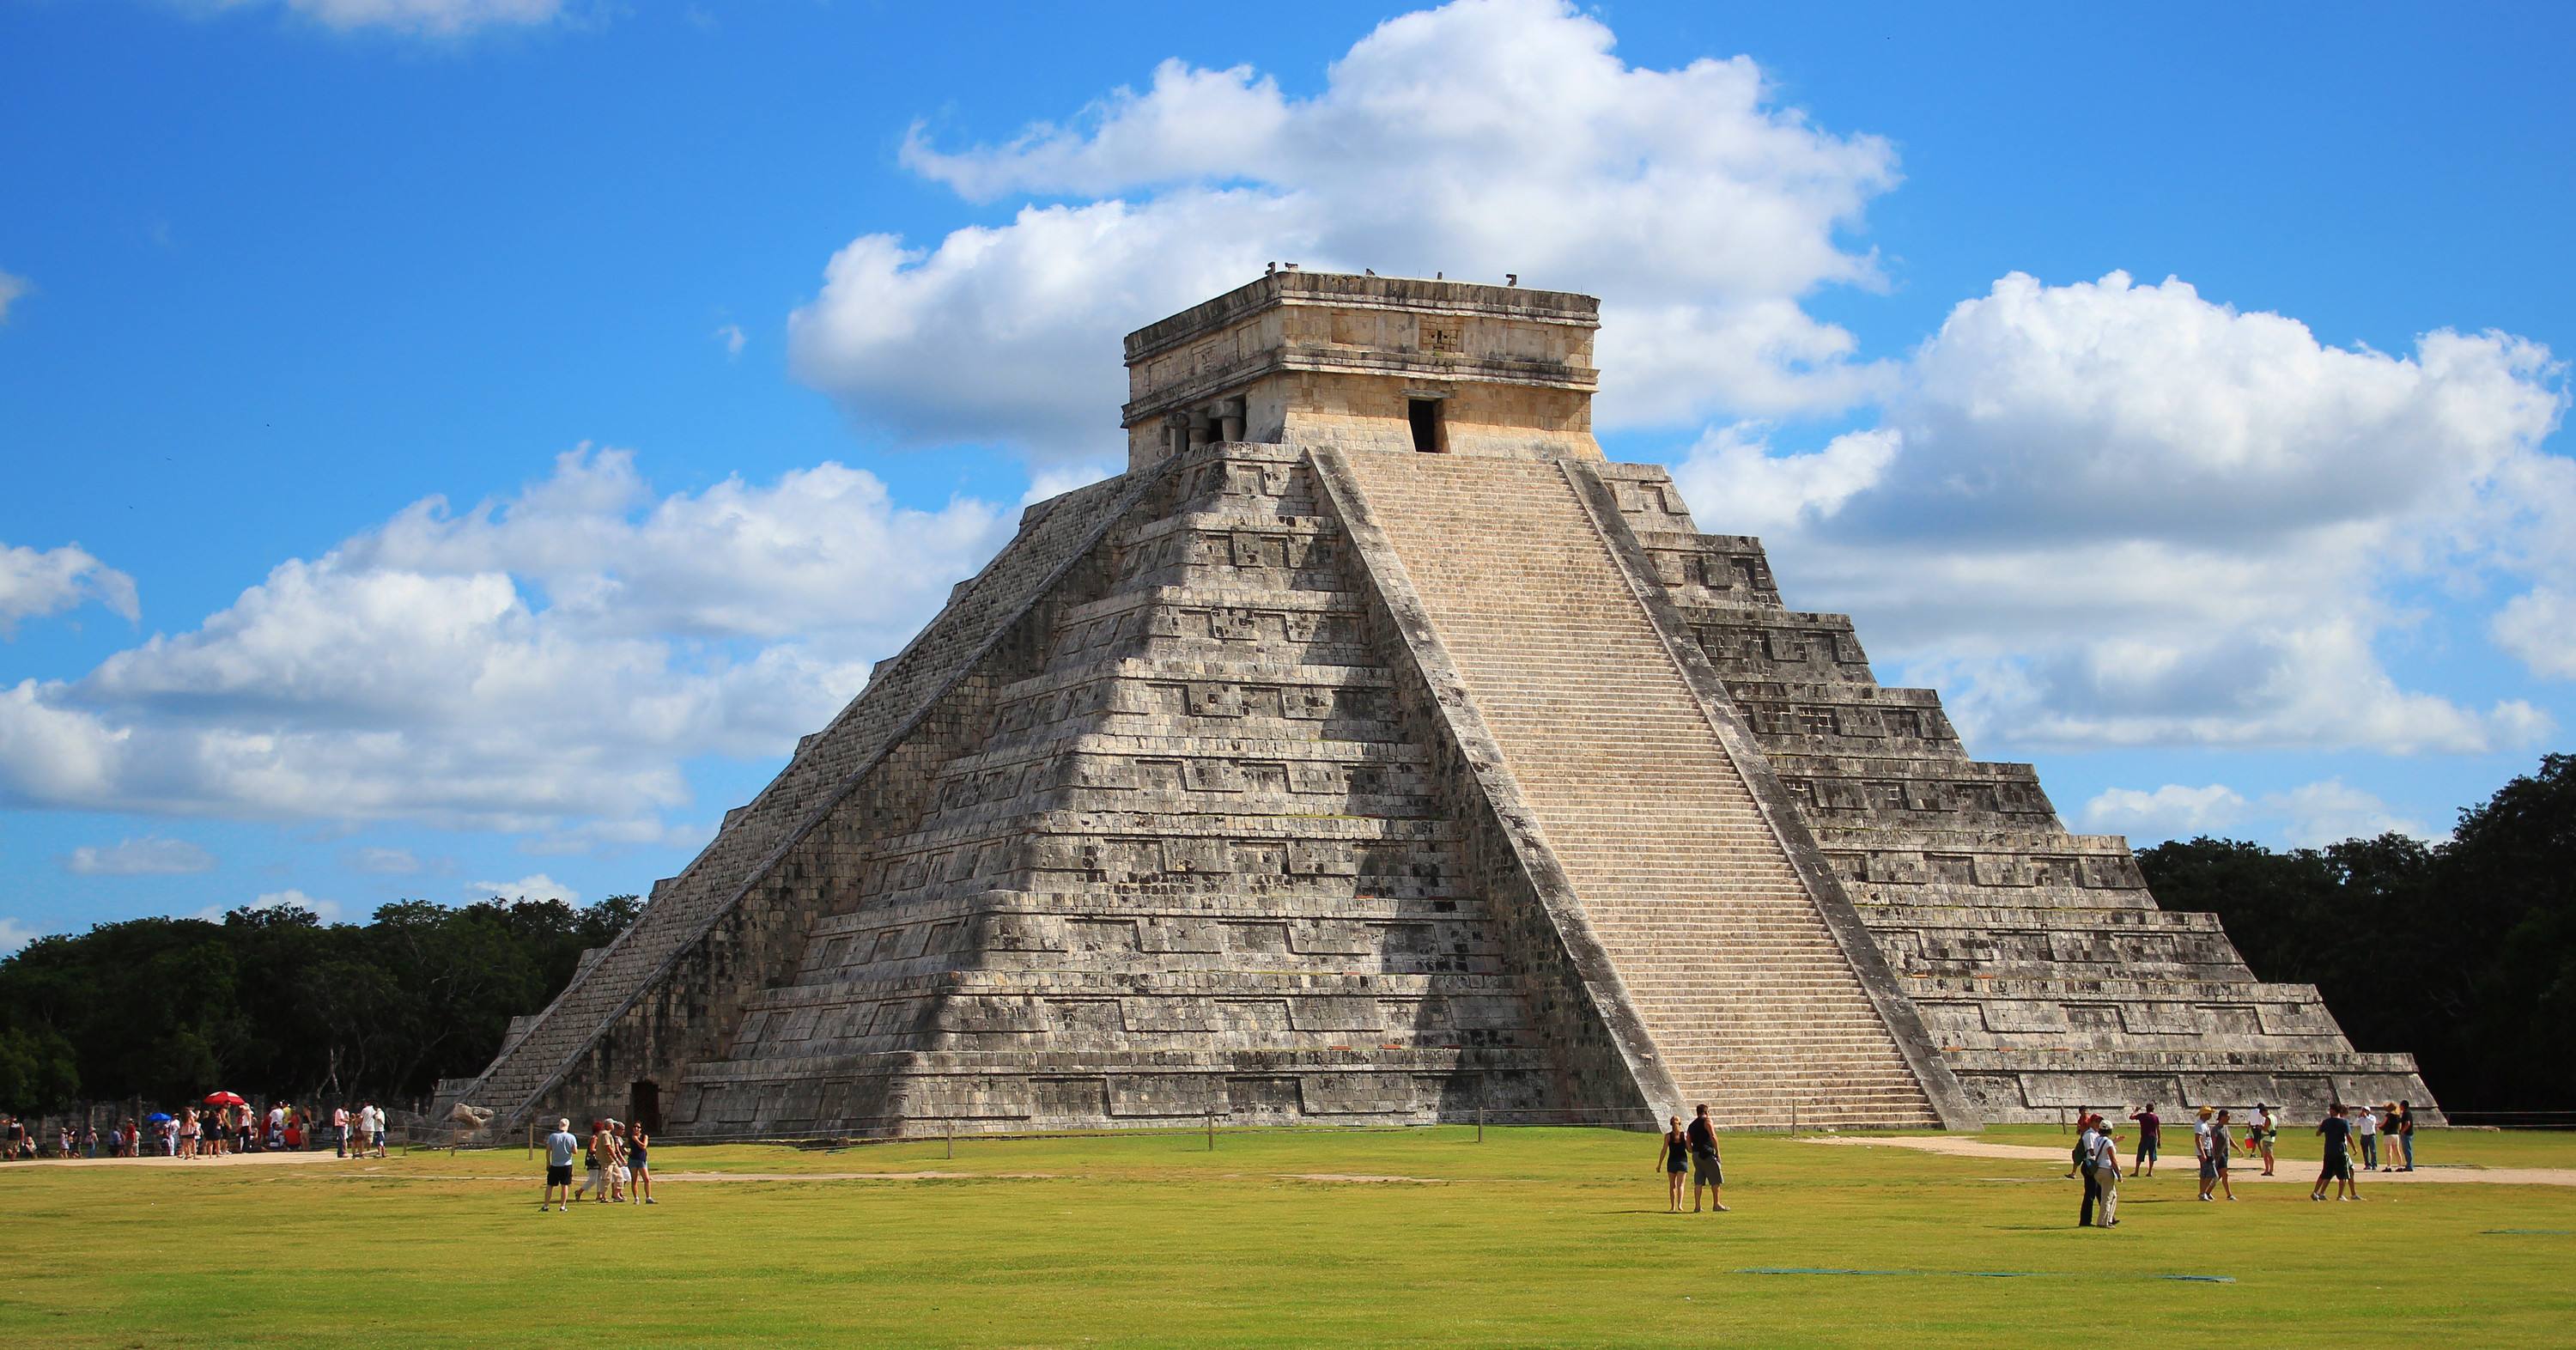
(2338, 1164)
(560, 1148)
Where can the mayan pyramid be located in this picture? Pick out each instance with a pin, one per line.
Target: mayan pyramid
(1372, 750)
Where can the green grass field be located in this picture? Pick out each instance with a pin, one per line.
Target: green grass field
(1533, 1237)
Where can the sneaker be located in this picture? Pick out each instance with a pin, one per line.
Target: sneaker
(648, 1200)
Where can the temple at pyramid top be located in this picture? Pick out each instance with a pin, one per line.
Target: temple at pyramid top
(1369, 363)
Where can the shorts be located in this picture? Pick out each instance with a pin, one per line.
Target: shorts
(558, 1176)
(380, 1139)
(2147, 1149)
(2209, 1169)
(1705, 1171)
(2338, 1168)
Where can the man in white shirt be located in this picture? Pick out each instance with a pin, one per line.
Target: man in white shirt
(2368, 1128)
(560, 1148)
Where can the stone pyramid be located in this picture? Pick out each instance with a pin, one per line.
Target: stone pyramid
(1374, 751)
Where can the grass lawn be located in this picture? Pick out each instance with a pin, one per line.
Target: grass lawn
(1535, 1237)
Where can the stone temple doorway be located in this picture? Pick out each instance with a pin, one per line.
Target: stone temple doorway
(644, 1106)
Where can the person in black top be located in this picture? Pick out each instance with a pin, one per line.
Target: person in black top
(2338, 1165)
(1673, 1156)
(1705, 1168)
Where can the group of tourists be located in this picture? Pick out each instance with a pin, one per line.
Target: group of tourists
(2217, 1137)
(1693, 1151)
(222, 1125)
(615, 1159)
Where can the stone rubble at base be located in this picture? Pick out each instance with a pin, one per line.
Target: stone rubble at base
(1297, 775)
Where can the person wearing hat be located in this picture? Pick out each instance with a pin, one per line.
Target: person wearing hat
(560, 1146)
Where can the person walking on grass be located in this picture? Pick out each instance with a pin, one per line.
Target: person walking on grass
(1672, 1158)
(2222, 1134)
(2151, 1128)
(559, 1150)
(2200, 1149)
(2337, 1130)
(2265, 1132)
(1706, 1168)
(2106, 1174)
(2088, 1147)
(635, 1160)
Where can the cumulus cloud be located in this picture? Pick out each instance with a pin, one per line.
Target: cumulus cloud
(424, 18)
(530, 664)
(2170, 812)
(2114, 514)
(383, 861)
(14, 935)
(534, 886)
(34, 584)
(733, 338)
(11, 287)
(1698, 208)
(151, 855)
(2309, 816)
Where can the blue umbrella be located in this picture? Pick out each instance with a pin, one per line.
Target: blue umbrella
(156, 1118)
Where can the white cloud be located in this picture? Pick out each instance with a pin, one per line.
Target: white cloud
(1058, 479)
(2309, 816)
(426, 18)
(34, 584)
(383, 861)
(12, 286)
(534, 886)
(151, 855)
(2170, 812)
(1485, 137)
(2111, 514)
(733, 338)
(14, 935)
(2539, 628)
(2329, 812)
(543, 663)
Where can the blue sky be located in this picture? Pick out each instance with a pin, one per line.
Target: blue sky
(458, 444)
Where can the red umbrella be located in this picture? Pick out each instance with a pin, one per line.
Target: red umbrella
(224, 1099)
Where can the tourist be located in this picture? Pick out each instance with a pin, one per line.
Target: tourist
(1673, 1157)
(2265, 1132)
(2106, 1172)
(2406, 1135)
(374, 1118)
(644, 1178)
(1706, 1168)
(89, 1139)
(617, 1173)
(594, 1163)
(559, 1147)
(2368, 1128)
(2150, 1134)
(2200, 1148)
(190, 1142)
(2338, 1164)
(2220, 1135)
(2087, 1152)
(339, 1131)
(66, 1141)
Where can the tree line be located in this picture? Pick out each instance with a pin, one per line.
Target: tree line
(274, 1002)
(2462, 951)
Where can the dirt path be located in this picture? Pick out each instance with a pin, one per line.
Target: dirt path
(2291, 1171)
